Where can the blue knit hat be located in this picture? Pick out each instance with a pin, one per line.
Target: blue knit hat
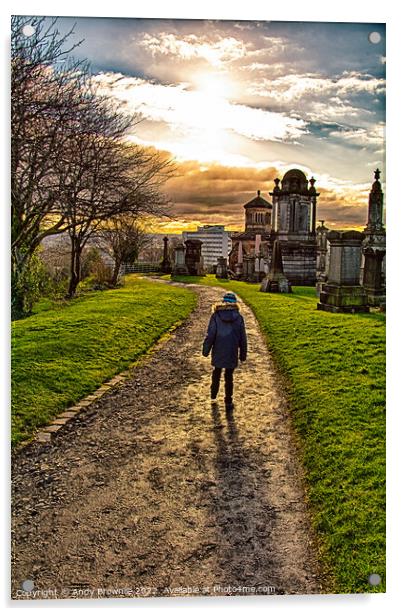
(230, 298)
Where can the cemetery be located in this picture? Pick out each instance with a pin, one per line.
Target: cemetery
(281, 246)
(332, 386)
(137, 471)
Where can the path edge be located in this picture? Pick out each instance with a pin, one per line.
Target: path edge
(47, 432)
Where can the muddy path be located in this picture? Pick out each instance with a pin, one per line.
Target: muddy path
(155, 491)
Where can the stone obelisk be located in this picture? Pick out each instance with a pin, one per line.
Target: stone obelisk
(166, 266)
(374, 246)
(276, 281)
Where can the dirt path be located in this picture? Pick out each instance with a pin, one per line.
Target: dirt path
(154, 491)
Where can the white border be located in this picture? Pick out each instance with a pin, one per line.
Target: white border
(291, 10)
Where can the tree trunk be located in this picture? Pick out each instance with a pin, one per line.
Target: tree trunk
(17, 298)
(19, 291)
(116, 270)
(75, 268)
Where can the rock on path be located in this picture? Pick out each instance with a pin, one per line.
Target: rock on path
(154, 491)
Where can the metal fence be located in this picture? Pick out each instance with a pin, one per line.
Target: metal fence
(141, 267)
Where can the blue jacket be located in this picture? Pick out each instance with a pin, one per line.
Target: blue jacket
(226, 336)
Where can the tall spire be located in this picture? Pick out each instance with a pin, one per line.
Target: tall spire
(375, 208)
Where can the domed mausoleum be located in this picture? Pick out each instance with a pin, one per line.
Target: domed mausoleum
(294, 206)
(291, 219)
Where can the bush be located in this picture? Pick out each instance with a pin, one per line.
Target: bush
(95, 273)
(30, 284)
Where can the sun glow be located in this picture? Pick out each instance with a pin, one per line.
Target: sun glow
(199, 117)
(213, 85)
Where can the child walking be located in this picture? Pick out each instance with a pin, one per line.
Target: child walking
(227, 338)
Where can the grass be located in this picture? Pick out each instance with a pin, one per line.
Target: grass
(66, 350)
(334, 365)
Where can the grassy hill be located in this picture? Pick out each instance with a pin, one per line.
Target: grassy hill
(65, 352)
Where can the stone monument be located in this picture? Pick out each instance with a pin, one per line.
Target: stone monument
(342, 291)
(322, 250)
(166, 266)
(193, 257)
(294, 206)
(239, 264)
(179, 268)
(221, 268)
(276, 281)
(374, 246)
(248, 268)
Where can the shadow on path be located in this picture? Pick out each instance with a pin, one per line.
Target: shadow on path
(244, 517)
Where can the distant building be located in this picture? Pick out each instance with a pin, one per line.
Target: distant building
(215, 240)
(258, 221)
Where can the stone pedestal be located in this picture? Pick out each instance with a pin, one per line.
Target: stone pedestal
(342, 292)
(179, 268)
(337, 298)
(373, 281)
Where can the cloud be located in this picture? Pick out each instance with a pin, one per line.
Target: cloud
(374, 136)
(194, 112)
(216, 53)
(291, 88)
(215, 194)
(342, 203)
(334, 110)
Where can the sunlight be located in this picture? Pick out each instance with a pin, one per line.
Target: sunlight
(214, 85)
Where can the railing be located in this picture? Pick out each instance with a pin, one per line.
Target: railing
(141, 267)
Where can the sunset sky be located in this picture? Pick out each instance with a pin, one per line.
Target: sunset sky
(238, 103)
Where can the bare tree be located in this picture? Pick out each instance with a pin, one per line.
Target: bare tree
(71, 168)
(46, 96)
(123, 239)
(109, 179)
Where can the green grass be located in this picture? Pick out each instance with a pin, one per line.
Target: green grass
(66, 350)
(334, 366)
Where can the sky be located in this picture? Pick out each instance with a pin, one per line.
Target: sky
(238, 103)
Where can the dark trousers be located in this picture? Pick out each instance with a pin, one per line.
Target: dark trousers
(216, 377)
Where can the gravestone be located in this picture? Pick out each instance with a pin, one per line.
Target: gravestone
(322, 256)
(259, 270)
(221, 268)
(166, 266)
(248, 268)
(373, 279)
(193, 257)
(342, 291)
(179, 268)
(239, 264)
